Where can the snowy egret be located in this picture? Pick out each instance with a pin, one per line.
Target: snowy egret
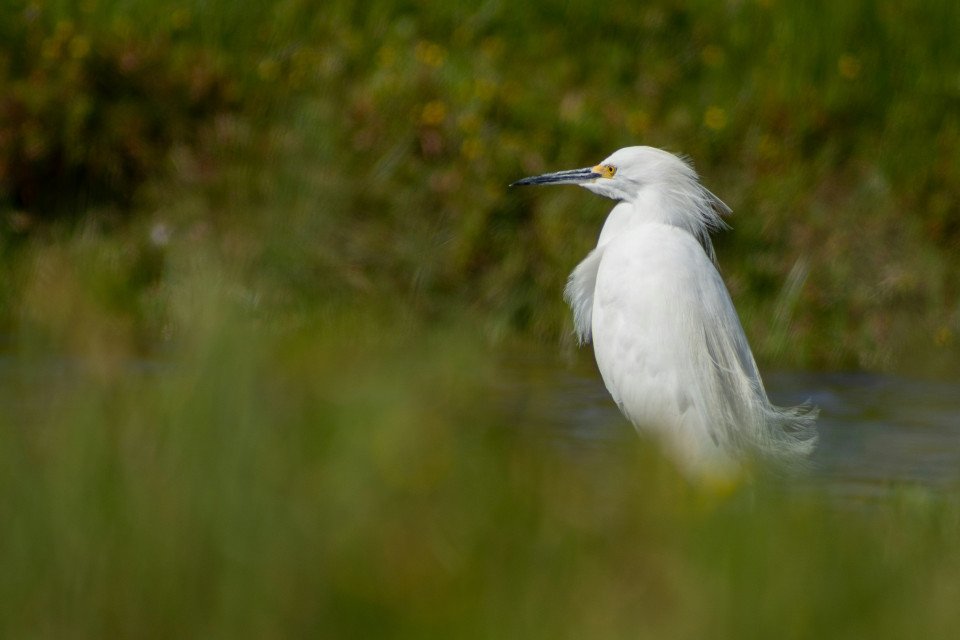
(666, 337)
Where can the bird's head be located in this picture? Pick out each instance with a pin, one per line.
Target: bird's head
(663, 186)
(622, 175)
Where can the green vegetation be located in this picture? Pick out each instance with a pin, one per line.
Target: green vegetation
(260, 266)
(350, 149)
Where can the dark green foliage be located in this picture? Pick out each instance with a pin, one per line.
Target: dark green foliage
(363, 148)
(88, 113)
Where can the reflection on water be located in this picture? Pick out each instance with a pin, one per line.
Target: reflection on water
(876, 431)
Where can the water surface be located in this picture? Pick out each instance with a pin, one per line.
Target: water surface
(877, 432)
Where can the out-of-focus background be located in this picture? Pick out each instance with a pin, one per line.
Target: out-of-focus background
(281, 355)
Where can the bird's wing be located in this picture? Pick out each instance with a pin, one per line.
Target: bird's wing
(669, 344)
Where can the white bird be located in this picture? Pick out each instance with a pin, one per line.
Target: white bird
(666, 337)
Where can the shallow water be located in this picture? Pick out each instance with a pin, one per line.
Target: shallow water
(877, 432)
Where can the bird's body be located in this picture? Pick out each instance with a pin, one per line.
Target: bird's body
(666, 336)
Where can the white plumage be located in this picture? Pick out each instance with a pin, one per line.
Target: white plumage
(665, 334)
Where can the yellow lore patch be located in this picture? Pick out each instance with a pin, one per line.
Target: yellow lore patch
(605, 170)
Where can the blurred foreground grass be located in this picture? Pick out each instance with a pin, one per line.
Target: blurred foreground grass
(351, 474)
(260, 264)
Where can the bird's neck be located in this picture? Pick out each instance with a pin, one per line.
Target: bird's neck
(681, 206)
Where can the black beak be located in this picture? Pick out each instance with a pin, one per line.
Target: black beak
(574, 176)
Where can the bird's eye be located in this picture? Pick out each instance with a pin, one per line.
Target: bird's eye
(605, 170)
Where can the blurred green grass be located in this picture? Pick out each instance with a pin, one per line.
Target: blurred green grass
(249, 385)
(352, 474)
